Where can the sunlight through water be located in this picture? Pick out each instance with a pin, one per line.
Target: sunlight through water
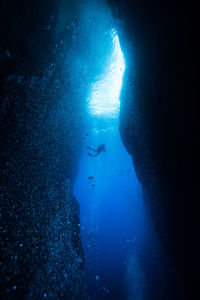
(104, 98)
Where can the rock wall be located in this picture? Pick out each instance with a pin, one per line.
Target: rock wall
(158, 119)
(41, 127)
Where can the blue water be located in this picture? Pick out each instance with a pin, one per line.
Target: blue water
(108, 205)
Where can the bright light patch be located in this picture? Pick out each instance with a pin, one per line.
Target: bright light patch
(104, 97)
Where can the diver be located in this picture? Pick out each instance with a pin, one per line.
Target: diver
(98, 150)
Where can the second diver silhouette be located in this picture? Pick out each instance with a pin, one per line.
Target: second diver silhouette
(98, 150)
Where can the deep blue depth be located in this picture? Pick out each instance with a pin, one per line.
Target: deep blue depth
(108, 212)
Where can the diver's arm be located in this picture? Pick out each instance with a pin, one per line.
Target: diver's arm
(92, 148)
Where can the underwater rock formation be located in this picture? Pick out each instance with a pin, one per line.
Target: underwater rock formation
(41, 131)
(41, 253)
(158, 119)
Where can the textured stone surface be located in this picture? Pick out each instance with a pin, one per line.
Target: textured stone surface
(158, 119)
(41, 123)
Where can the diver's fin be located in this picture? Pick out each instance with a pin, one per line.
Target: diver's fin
(90, 154)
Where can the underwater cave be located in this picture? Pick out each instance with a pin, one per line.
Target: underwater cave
(97, 150)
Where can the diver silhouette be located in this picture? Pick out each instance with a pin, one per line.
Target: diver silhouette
(98, 150)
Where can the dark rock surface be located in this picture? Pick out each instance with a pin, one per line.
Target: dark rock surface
(158, 120)
(40, 135)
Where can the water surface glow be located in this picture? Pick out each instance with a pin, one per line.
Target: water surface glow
(104, 98)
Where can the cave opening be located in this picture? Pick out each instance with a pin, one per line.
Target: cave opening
(117, 232)
(105, 185)
(104, 98)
